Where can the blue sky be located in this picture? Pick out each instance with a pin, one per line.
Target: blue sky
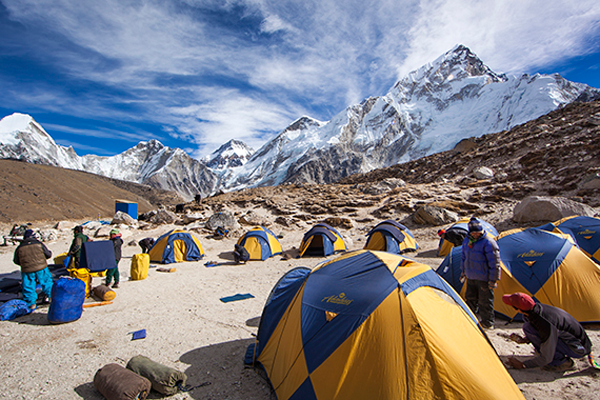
(102, 75)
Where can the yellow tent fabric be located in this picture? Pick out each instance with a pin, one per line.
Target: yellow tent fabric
(399, 332)
(260, 243)
(176, 246)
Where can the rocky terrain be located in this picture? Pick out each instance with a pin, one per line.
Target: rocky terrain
(32, 192)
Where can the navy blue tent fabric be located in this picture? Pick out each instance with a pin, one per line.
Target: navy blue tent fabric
(390, 229)
(281, 296)
(345, 280)
(98, 256)
(320, 230)
(516, 254)
(586, 233)
(449, 269)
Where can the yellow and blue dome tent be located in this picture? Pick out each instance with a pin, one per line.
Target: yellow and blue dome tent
(458, 231)
(176, 246)
(321, 240)
(374, 325)
(391, 236)
(546, 265)
(260, 243)
(584, 230)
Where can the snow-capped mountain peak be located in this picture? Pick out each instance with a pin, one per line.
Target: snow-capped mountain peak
(232, 154)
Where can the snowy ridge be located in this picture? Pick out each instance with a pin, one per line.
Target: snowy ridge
(430, 110)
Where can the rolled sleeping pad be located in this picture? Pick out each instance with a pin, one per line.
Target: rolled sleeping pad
(104, 293)
(165, 380)
(115, 382)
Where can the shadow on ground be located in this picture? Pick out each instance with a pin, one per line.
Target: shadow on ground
(223, 366)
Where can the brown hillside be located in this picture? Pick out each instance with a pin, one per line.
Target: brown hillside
(30, 192)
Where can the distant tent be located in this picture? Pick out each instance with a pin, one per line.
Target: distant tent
(260, 243)
(585, 231)
(545, 265)
(374, 325)
(460, 230)
(391, 236)
(176, 246)
(321, 240)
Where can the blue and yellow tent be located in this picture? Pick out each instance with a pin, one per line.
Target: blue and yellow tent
(461, 227)
(543, 264)
(374, 325)
(391, 236)
(176, 246)
(584, 230)
(260, 243)
(321, 240)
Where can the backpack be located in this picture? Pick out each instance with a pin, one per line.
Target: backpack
(240, 254)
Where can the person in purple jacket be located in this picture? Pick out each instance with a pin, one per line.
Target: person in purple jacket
(481, 266)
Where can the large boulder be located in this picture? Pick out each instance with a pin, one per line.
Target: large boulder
(483, 173)
(251, 218)
(224, 219)
(122, 218)
(541, 208)
(163, 217)
(434, 215)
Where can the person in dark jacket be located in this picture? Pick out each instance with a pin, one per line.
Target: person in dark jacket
(481, 266)
(31, 255)
(240, 254)
(115, 236)
(146, 244)
(554, 333)
(78, 240)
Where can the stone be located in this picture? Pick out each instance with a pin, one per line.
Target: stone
(122, 218)
(434, 215)
(483, 173)
(591, 181)
(163, 217)
(549, 209)
(224, 219)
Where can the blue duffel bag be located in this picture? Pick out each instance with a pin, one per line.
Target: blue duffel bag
(13, 309)
(68, 295)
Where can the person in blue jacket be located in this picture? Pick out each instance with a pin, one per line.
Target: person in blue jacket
(481, 267)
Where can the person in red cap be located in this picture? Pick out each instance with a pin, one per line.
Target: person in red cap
(481, 266)
(555, 334)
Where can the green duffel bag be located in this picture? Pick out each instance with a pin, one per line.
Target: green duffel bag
(165, 380)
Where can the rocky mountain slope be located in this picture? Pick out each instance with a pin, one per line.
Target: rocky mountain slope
(30, 192)
(433, 108)
(554, 155)
(454, 97)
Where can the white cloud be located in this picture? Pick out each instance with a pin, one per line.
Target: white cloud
(254, 66)
(511, 36)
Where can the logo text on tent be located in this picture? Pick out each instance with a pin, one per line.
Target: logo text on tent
(337, 299)
(586, 232)
(531, 253)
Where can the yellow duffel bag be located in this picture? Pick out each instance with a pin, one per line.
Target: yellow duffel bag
(83, 274)
(140, 263)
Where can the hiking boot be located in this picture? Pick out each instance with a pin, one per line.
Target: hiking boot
(45, 300)
(567, 365)
(487, 327)
(116, 285)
